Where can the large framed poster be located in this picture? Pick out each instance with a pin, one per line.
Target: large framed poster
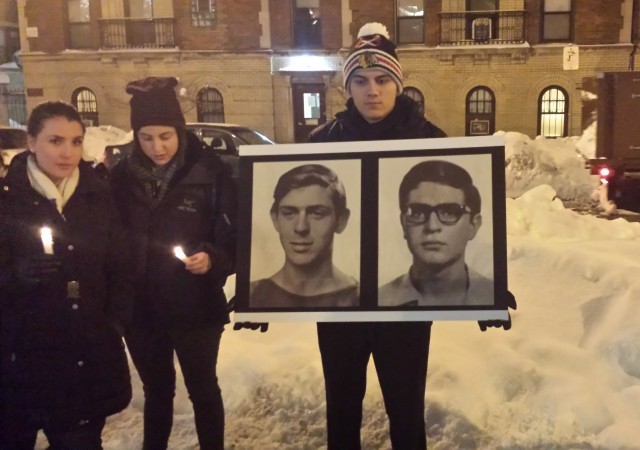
(403, 230)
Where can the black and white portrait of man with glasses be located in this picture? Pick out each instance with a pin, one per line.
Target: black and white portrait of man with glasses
(440, 214)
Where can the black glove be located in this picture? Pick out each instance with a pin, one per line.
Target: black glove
(251, 326)
(510, 302)
(32, 270)
(231, 304)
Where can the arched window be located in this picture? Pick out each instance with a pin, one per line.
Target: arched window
(415, 95)
(553, 111)
(481, 111)
(210, 106)
(85, 102)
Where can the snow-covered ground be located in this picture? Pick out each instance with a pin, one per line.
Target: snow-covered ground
(566, 376)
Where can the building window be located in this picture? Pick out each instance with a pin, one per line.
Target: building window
(9, 43)
(556, 20)
(482, 19)
(410, 21)
(480, 101)
(140, 9)
(4, 53)
(210, 106)
(307, 31)
(415, 95)
(85, 102)
(79, 25)
(553, 111)
(482, 5)
(481, 111)
(202, 12)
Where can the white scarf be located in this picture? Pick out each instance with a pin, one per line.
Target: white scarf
(61, 192)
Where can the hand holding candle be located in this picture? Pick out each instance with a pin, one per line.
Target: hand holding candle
(47, 240)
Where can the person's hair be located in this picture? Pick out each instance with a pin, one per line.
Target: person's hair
(441, 172)
(309, 175)
(50, 110)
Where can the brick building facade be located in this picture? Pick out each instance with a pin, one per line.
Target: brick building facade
(274, 65)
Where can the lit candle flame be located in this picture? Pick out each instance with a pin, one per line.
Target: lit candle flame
(46, 235)
(180, 254)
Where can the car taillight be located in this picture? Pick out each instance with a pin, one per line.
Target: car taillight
(605, 172)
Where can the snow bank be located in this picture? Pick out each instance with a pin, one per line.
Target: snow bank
(555, 162)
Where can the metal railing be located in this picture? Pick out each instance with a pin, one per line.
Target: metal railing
(482, 27)
(16, 105)
(137, 33)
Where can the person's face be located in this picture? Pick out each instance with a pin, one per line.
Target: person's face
(58, 147)
(433, 243)
(159, 143)
(306, 222)
(374, 93)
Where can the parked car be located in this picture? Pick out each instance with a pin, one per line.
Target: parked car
(12, 142)
(222, 138)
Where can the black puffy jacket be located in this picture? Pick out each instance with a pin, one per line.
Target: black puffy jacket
(198, 213)
(64, 357)
(404, 122)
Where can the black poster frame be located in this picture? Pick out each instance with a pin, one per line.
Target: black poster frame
(484, 155)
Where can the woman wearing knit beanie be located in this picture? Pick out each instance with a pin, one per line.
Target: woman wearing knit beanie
(376, 110)
(178, 203)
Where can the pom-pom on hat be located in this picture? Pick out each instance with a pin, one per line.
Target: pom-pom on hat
(154, 102)
(373, 50)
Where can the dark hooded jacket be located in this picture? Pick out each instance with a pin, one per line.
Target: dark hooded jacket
(404, 122)
(198, 213)
(63, 358)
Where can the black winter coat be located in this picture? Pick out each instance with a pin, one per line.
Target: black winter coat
(404, 122)
(64, 357)
(198, 213)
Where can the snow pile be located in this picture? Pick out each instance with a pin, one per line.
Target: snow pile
(96, 138)
(555, 162)
(586, 144)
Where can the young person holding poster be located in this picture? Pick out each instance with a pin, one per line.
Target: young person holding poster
(376, 110)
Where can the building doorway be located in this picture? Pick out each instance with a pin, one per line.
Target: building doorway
(309, 109)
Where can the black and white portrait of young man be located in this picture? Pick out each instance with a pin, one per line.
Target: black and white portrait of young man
(305, 234)
(436, 228)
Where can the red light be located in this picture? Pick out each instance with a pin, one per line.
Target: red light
(605, 172)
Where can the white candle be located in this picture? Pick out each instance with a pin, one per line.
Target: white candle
(180, 254)
(47, 240)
